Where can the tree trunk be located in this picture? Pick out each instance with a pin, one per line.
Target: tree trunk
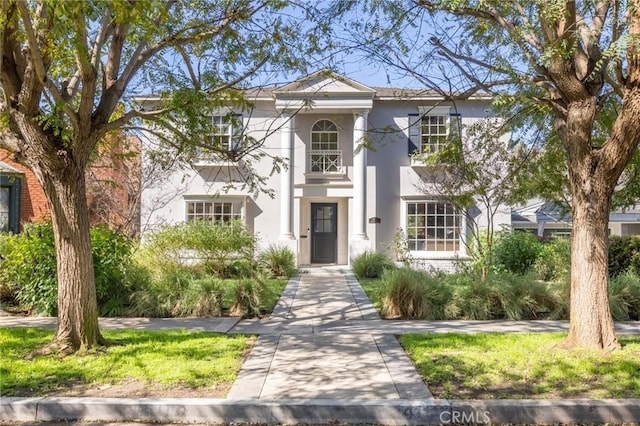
(592, 181)
(591, 324)
(77, 306)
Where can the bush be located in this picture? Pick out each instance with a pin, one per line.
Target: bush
(371, 264)
(407, 293)
(211, 246)
(516, 252)
(29, 266)
(500, 296)
(624, 297)
(278, 262)
(554, 261)
(624, 254)
(248, 296)
(203, 298)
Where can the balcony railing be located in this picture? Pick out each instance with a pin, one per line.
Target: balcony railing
(325, 162)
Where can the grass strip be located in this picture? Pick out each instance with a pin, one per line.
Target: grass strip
(166, 359)
(519, 366)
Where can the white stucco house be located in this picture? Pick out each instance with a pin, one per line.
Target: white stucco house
(336, 199)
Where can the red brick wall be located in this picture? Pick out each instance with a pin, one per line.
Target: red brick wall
(33, 202)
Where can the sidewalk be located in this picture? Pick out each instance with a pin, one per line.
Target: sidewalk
(291, 361)
(323, 356)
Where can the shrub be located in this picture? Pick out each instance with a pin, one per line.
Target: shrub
(407, 293)
(248, 295)
(371, 264)
(30, 267)
(522, 297)
(624, 253)
(500, 295)
(203, 298)
(278, 262)
(208, 245)
(476, 301)
(554, 261)
(624, 297)
(517, 251)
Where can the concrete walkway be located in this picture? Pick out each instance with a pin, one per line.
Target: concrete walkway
(291, 361)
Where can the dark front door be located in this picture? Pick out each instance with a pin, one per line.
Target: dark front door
(324, 232)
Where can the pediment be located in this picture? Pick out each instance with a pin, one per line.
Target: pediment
(325, 82)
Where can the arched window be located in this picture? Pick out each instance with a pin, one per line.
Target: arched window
(324, 156)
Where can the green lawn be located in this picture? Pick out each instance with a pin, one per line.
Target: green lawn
(370, 287)
(501, 366)
(207, 362)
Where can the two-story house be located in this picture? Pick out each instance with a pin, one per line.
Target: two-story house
(351, 183)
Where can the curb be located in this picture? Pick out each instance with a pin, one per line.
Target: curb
(318, 411)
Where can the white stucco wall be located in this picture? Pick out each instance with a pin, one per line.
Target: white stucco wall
(390, 178)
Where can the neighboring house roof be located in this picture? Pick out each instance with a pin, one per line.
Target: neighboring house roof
(8, 170)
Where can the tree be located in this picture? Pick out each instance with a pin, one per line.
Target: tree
(68, 73)
(565, 62)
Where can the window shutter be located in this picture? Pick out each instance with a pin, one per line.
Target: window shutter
(455, 124)
(414, 134)
(237, 131)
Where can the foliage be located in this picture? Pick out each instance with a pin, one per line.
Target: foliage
(29, 266)
(213, 246)
(186, 292)
(278, 261)
(248, 297)
(407, 293)
(554, 261)
(400, 247)
(624, 297)
(521, 366)
(164, 360)
(624, 255)
(371, 264)
(417, 294)
(516, 251)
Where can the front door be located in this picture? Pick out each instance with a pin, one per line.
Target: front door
(324, 232)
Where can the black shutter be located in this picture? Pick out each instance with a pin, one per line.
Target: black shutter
(414, 131)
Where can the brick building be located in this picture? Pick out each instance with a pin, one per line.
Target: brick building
(113, 189)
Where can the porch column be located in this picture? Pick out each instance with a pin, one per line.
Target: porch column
(286, 177)
(359, 231)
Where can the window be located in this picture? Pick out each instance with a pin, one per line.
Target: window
(433, 226)
(10, 204)
(324, 155)
(224, 137)
(429, 130)
(214, 211)
(221, 132)
(434, 133)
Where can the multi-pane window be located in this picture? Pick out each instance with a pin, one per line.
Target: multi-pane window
(324, 155)
(434, 133)
(213, 211)
(433, 226)
(221, 132)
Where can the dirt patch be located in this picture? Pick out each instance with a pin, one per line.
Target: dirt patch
(136, 389)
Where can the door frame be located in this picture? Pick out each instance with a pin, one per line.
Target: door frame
(312, 237)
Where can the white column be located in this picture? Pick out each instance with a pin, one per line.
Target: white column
(359, 231)
(286, 177)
